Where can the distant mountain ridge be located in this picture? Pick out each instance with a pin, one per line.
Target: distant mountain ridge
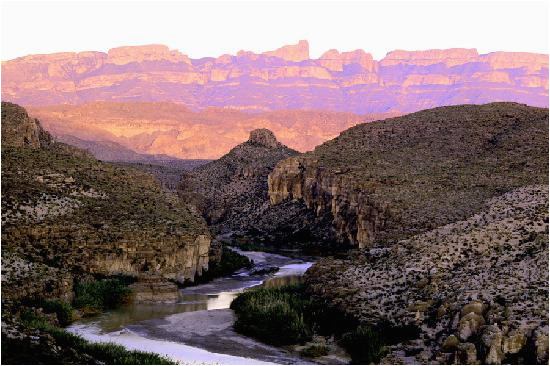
(166, 128)
(287, 78)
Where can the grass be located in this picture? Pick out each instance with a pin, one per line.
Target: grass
(74, 346)
(62, 309)
(364, 345)
(278, 316)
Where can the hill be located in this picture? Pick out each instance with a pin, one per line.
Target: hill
(386, 180)
(74, 216)
(166, 128)
(474, 291)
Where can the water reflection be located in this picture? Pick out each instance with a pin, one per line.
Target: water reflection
(282, 281)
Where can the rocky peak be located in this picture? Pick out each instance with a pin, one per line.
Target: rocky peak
(264, 137)
(155, 52)
(18, 129)
(296, 53)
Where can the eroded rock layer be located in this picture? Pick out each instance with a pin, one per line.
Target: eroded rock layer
(286, 78)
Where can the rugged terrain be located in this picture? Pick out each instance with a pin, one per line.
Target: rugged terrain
(66, 215)
(287, 78)
(231, 193)
(477, 289)
(382, 181)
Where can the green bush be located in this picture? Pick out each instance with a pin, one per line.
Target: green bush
(278, 316)
(364, 345)
(101, 295)
(63, 310)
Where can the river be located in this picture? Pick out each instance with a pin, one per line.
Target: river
(198, 329)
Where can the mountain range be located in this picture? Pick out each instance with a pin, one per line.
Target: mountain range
(201, 108)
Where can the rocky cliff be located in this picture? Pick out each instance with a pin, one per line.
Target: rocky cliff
(65, 213)
(381, 181)
(287, 78)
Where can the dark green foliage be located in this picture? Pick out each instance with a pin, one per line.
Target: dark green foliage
(286, 315)
(274, 315)
(63, 310)
(230, 262)
(365, 345)
(289, 315)
(101, 295)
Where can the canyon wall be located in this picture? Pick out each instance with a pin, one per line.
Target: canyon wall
(355, 217)
(381, 181)
(286, 78)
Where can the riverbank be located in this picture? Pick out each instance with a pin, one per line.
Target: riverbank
(198, 329)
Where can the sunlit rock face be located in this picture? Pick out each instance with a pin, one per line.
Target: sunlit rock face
(286, 78)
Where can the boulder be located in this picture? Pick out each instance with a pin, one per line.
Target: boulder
(469, 325)
(491, 343)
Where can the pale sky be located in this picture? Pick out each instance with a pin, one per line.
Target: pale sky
(202, 29)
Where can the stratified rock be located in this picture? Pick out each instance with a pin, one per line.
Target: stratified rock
(154, 289)
(385, 180)
(279, 80)
(67, 215)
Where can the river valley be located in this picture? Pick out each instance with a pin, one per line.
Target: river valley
(199, 328)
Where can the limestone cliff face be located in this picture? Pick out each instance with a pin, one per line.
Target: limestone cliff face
(355, 217)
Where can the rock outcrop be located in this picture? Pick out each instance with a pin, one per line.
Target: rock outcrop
(381, 181)
(66, 215)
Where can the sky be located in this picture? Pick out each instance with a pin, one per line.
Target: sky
(210, 29)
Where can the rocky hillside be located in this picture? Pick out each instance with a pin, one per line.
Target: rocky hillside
(233, 187)
(287, 78)
(383, 181)
(231, 193)
(476, 289)
(65, 214)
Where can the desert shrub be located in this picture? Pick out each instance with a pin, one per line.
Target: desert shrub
(277, 316)
(63, 310)
(364, 345)
(101, 295)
